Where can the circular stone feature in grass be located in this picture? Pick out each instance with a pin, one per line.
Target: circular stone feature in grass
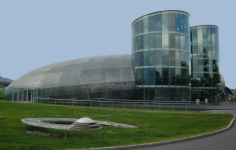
(85, 124)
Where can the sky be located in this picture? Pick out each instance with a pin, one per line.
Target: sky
(34, 34)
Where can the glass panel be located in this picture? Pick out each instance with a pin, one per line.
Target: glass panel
(145, 76)
(195, 80)
(146, 93)
(213, 37)
(165, 58)
(200, 65)
(145, 58)
(158, 22)
(172, 22)
(205, 36)
(194, 36)
(177, 23)
(201, 79)
(152, 58)
(177, 41)
(200, 51)
(145, 41)
(213, 53)
(183, 26)
(217, 38)
(165, 22)
(195, 65)
(187, 44)
(199, 35)
(158, 40)
(151, 93)
(185, 77)
(187, 59)
(172, 58)
(152, 76)
(187, 28)
(206, 65)
(140, 42)
(159, 94)
(158, 76)
(151, 23)
(178, 93)
(152, 40)
(207, 78)
(145, 25)
(165, 40)
(166, 93)
(205, 52)
(178, 76)
(217, 54)
(165, 75)
(95, 87)
(172, 40)
(183, 46)
(158, 58)
(172, 94)
(183, 59)
(172, 76)
(138, 77)
(210, 52)
(177, 58)
(214, 66)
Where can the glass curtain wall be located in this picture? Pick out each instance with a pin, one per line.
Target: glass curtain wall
(205, 61)
(161, 56)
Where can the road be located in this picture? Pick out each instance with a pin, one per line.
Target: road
(222, 141)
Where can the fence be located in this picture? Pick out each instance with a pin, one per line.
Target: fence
(133, 104)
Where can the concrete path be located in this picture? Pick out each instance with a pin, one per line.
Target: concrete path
(222, 141)
(222, 106)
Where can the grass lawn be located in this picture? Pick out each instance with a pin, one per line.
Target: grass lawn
(153, 126)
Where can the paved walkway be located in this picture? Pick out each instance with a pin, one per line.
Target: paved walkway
(222, 106)
(224, 140)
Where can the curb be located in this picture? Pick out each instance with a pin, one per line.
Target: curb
(164, 142)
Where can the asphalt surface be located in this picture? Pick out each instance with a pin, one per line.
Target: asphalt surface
(222, 141)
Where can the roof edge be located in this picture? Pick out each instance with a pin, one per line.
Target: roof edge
(160, 11)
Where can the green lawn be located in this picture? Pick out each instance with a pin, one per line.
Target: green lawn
(153, 126)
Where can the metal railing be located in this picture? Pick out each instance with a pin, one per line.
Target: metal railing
(133, 104)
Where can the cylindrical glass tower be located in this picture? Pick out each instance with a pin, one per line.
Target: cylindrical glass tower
(205, 61)
(161, 56)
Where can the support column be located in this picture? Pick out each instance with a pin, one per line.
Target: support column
(27, 96)
(31, 96)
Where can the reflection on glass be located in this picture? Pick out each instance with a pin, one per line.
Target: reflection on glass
(165, 22)
(165, 40)
(158, 40)
(165, 59)
(145, 25)
(165, 76)
(206, 73)
(158, 75)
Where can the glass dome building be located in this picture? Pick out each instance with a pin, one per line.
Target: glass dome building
(161, 56)
(107, 77)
